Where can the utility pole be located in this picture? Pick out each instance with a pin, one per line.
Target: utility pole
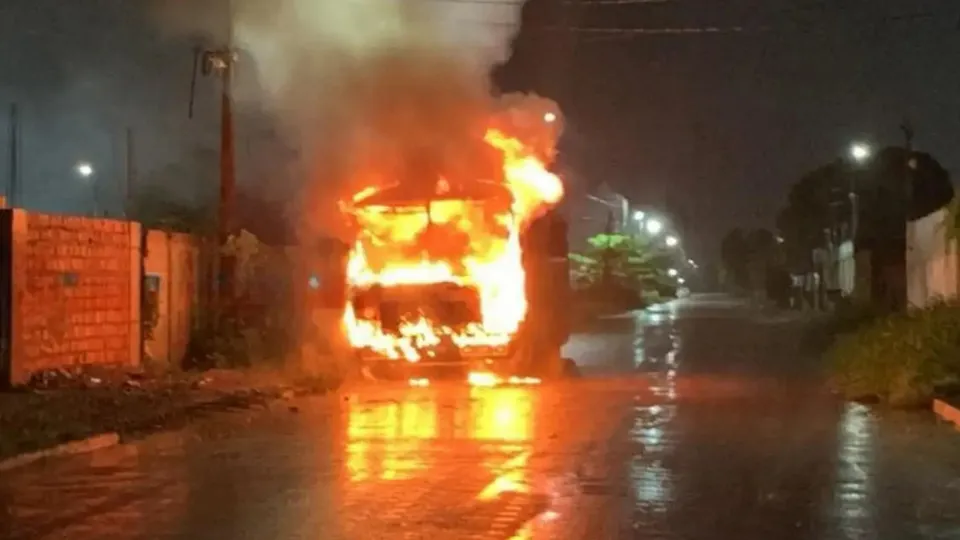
(854, 208)
(14, 186)
(220, 62)
(227, 159)
(909, 165)
(129, 173)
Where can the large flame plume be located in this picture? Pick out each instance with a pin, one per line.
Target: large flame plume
(396, 92)
(465, 242)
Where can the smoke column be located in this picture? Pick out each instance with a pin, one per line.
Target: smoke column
(375, 91)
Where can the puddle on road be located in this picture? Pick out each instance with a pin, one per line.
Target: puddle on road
(663, 450)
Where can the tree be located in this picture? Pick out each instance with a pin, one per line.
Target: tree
(952, 221)
(801, 223)
(621, 261)
(158, 208)
(762, 256)
(734, 256)
(819, 201)
(184, 197)
(180, 196)
(749, 258)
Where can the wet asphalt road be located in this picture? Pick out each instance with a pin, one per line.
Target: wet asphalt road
(698, 420)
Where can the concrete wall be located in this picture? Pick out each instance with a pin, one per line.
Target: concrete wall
(172, 277)
(932, 270)
(74, 299)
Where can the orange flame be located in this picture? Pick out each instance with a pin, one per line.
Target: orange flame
(534, 188)
(472, 244)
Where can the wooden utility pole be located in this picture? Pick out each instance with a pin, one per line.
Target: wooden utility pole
(220, 62)
(227, 177)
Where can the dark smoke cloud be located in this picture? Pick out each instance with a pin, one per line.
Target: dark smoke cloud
(374, 91)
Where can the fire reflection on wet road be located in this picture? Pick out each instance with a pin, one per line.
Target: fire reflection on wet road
(692, 422)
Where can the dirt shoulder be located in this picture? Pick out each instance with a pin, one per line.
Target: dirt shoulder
(81, 406)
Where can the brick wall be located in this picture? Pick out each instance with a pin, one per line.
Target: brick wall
(75, 292)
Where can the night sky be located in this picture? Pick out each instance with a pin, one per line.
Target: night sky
(714, 127)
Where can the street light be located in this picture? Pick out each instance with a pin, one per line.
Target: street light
(672, 272)
(639, 215)
(672, 241)
(654, 226)
(550, 117)
(681, 281)
(84, 169)
(860, 152)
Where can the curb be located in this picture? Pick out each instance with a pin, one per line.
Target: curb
(106, 440)
(947, 411)
(97, 442)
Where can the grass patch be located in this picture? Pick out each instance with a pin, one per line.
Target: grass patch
(902, 359)
(848, 318)
(33, 420)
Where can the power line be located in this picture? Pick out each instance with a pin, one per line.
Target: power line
(520, 3)
(702, 29)
(663, 31)
(587, 3)
(513, 3)
(791, 19)
(597, 33)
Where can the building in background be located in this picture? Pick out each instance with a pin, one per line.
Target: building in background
(932, 269)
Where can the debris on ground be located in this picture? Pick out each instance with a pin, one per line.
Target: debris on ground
(62, 405)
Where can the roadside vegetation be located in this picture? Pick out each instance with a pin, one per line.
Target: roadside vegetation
(619, 272)
(67, 405)
(904, 358)
(899, 359)
(894, 356)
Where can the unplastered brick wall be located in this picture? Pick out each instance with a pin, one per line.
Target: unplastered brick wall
(75, 292)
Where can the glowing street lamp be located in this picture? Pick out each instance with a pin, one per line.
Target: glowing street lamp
(84, 169)
(681, 281)
(672, 272)
(639, 215)
(860, 152)
(550, 117)
(654, 226)
(672, 241)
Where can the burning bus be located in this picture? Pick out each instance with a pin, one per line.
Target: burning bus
(461, 273)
